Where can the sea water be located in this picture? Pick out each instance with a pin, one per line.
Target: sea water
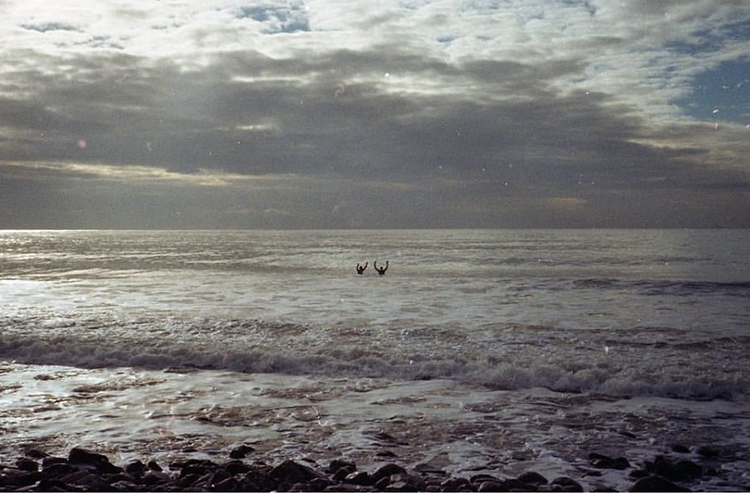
(478, 350)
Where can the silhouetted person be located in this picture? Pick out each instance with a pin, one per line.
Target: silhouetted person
(381, 271)
(361, 269)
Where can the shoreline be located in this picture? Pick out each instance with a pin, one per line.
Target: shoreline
(244, 470)
(435, 430)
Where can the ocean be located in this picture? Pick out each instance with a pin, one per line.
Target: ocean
(494, 351)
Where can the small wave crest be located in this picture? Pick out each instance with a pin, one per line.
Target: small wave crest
(627, 384)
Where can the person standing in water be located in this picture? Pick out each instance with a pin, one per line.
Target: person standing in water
(361, 269)
(381, 271)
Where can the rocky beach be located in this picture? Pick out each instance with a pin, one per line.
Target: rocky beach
(241, 470)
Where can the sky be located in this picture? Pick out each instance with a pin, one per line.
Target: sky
(243, 114)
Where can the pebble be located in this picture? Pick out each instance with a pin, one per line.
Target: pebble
(84, 470)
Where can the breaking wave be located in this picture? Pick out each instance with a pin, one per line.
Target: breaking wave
(283, 348)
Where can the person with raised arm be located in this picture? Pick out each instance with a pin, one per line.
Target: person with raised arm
(381, 270)
(361, 269)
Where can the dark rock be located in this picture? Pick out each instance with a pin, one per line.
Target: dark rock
(515, 485)
(400, 486)
(152, 465)
(359, 478)
(196, 467)
(53, 460)
(639, 473)
(79, 456)
(492, 486)
(382, 484)
(35, 453)
(20, 478)
(566, 484)
(386, 471)
(124, 486)
(241, 451)
(153, 478)
(319, 484)
(46, 485)
(258, 480)
(337, 464)
(533, 478)
(58, 470)
(27, 464)
(684, 470)
(292, 472)
(605, 462)
(411, 483)
(708, 452)
(341, 469)
(75, 477)
(135, 467)
(453, 484)
(93, 482)
(236, 467)
(654, 483)
(229, 484)
(116, 477)
(679, 448)
(85, 457)
(688, 470)
(478, 479)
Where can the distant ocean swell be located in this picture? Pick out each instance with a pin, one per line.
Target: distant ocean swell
(533, 361)
(666, 287)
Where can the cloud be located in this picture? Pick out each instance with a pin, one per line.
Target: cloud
(441, 113)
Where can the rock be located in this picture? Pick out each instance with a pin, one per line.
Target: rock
(257, 480)
(152, 465)
(340, 469)
(688, 470)
(291, 472)
(406, 482)
(135, 467)
(654, 483)
(196, 467)
(605, 462)
(153, 478)
(682, 471)
(359, 478)
(566, 484)
(492, 486)
(85, 457)
(46, 485)
(93, 482)
(35, 453)
(79, 456)
(27, 464)
(708, 452)
(58, 470)
(679, 448)
(533, 478)
(124, 486)
(20, 478)
(386, 471)
(229, 484)
(319, 484)
(236, 467)
(453, 484)
(241, 451)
